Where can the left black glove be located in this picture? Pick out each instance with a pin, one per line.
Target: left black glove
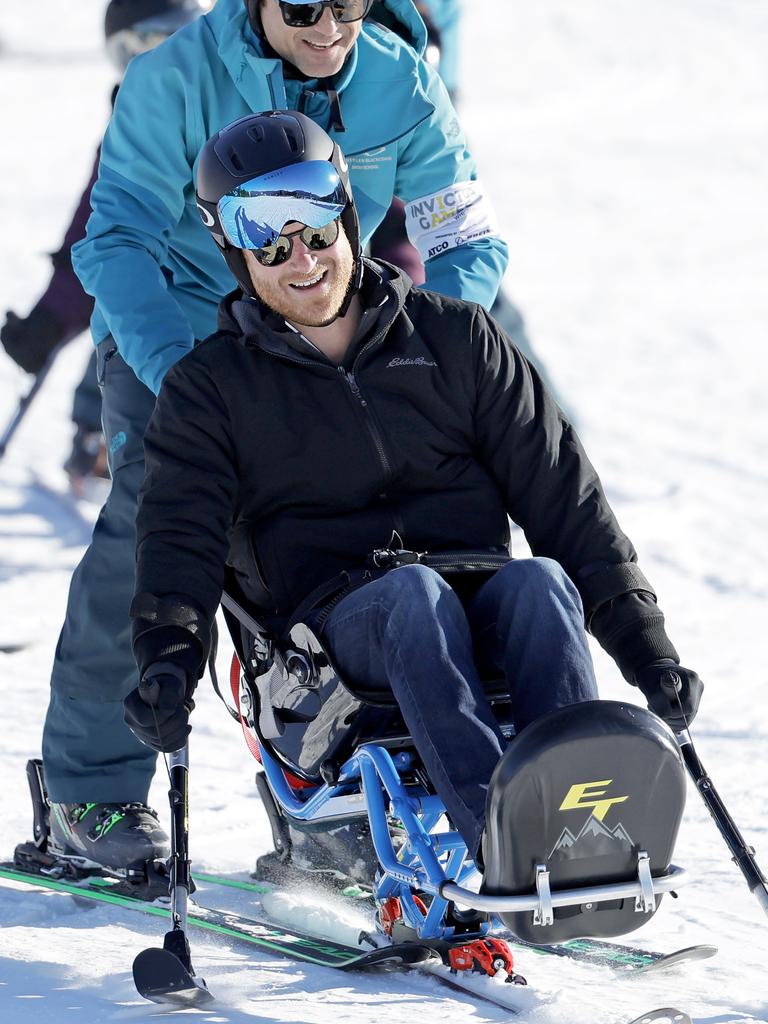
(157, 711)
(673, 692)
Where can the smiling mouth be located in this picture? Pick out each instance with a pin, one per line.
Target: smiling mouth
(310, 282)
(320, 47)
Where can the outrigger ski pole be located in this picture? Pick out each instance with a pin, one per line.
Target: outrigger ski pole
(166, 975)
(743, 855)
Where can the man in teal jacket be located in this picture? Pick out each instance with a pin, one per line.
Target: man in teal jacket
(386, 106)
(156, 281)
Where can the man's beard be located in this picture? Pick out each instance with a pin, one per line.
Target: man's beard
(280, 300)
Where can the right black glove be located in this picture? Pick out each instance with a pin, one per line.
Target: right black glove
(157, 711)
(673, 692)
(30, 340)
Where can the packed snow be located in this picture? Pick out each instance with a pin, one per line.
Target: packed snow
(625, 146)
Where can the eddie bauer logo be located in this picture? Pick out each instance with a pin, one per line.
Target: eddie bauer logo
(418, 361)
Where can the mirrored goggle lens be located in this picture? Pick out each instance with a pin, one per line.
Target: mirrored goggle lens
(300, 15)
(254, 214)
(313, 238)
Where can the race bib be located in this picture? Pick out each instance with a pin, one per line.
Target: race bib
(451, 217)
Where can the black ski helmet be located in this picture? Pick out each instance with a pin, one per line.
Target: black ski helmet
(133, 26)
(255, 145)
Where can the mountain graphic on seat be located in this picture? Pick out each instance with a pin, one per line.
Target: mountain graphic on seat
(594, 840)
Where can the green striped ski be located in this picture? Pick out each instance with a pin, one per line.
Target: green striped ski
(297, 946)
(272, 938)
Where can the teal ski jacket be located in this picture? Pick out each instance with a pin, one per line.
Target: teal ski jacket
(148, 261)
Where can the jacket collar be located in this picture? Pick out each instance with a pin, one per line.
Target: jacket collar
(383, 291)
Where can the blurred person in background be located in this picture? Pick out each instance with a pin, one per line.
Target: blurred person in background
(64, 309)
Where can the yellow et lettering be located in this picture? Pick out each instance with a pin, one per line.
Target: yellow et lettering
(584, 794)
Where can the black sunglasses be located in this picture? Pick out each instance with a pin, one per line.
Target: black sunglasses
(304, 15)
(282, 247)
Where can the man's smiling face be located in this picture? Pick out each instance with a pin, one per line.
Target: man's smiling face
(319, 50)
(310, 287)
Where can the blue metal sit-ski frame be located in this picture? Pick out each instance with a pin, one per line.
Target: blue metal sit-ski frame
(433, 863)
(426, 861)
(436, 863)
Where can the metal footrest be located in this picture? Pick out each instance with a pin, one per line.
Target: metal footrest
(643, 889)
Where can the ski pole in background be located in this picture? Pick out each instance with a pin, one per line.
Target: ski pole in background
(26, 400)
(166, 975)
(743, 855)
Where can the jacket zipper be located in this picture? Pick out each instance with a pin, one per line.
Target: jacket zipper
(354, 387)
(375, 435)
(371, 426)
(370, 423)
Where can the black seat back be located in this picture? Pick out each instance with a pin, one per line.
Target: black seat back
(582, 791)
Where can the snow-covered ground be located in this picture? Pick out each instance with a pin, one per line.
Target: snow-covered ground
(626, 148)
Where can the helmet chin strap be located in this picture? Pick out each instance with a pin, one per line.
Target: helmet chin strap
(354, 287)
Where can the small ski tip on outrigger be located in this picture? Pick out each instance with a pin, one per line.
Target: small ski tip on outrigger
(166, 975)
(160, 975)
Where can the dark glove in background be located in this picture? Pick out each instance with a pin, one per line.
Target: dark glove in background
(677, 709)
(30, 340)
(157, 711)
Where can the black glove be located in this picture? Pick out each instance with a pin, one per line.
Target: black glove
(157, 711)
(673, 692)
(30, 340)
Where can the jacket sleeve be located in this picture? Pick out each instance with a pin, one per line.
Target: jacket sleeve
(137, 202)
(186, 508)
(449, 219)
(64, 297)
(552, 491)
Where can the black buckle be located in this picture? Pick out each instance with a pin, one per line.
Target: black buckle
(386, 558)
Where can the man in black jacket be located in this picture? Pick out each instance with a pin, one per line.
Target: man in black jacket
(336, 409)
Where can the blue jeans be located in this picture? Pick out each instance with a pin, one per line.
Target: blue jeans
(409, 633)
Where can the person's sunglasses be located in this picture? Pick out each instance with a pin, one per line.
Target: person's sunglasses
(299, 15)
(280, 250)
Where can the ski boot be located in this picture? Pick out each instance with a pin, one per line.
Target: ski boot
(76, 841)
(109, 836)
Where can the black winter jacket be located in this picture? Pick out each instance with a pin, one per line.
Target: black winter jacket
(263, 452)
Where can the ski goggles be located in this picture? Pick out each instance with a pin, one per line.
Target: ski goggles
(282, 247)
(302, 15)
(253, 215)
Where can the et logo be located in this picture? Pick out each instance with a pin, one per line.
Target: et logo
(589, 794)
